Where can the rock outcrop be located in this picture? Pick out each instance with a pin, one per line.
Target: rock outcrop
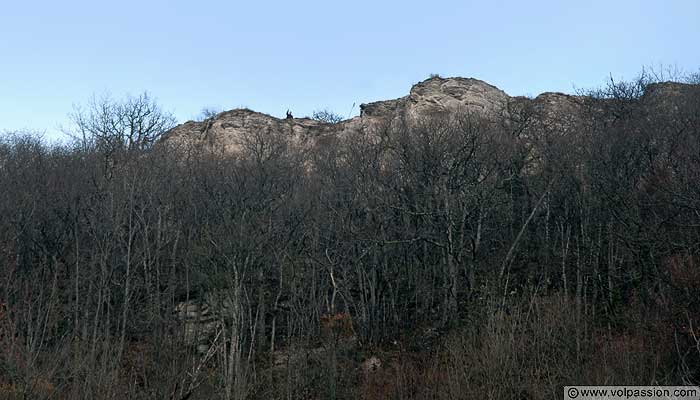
(438, 94)
(226, 132)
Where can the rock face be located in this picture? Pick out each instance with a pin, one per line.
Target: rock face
(202, 318)
(456, 94)
(666, 95)
(199, 323)
(438, 94)
(227, 131)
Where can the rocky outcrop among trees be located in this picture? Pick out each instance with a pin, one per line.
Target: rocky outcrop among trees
(527, 117)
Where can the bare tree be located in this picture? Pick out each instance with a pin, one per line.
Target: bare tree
(326, 116)
(208, 112)
(110, 125)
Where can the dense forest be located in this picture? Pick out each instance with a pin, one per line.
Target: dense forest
(451, 256)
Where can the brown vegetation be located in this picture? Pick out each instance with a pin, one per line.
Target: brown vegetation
(452, 256)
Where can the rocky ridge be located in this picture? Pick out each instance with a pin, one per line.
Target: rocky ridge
(224, 131)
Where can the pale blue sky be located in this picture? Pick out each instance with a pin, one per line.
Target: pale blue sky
(307, 55)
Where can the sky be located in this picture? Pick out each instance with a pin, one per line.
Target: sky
(312, 55)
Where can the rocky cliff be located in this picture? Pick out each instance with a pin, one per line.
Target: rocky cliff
(555, 110)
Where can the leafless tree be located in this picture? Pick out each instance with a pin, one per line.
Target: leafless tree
(208, 112)
(326, 116)
(111, 126)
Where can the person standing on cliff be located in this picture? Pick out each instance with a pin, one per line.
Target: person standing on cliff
(289, 115)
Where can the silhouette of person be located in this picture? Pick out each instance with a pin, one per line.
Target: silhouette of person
(289, 115)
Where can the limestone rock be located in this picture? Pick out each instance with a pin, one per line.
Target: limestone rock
(227, 132)
(456, 94)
